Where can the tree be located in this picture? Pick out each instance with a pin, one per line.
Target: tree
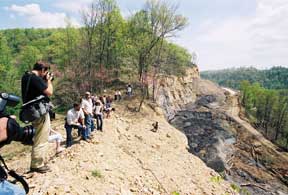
(7, 71)
(148, 28)
(102, 40)
(28, 56)
(5, 52)
(280, 116)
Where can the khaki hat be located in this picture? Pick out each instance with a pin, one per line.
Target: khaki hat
(87, 93)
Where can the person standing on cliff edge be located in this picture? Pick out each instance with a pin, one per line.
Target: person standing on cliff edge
(34, 84)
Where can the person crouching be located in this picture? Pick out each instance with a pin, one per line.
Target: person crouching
(75, 120)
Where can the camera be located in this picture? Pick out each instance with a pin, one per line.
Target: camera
(14, 131)
(9, 100)
(51, 75)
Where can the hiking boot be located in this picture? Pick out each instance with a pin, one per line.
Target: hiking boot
(43, 169)
(87, 140)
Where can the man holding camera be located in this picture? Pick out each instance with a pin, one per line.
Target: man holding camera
(34, 84)
(10, 131)
(5, 186)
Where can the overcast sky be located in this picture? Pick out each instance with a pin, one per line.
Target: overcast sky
(224, 33)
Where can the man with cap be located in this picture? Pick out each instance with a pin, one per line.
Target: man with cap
(33, 84)
(87, 107)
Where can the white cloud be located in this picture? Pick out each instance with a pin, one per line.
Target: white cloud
(40, 19)
(29, 9)
(260, 39)
(73, 6)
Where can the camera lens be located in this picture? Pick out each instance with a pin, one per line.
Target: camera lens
(5, 95)
(28, 133)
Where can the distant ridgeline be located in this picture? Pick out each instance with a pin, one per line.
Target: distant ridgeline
(274, 78)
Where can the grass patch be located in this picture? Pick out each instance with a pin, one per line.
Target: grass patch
(240, 190)
(97, 174)
(216, 179)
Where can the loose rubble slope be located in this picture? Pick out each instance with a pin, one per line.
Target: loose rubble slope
(127, 158)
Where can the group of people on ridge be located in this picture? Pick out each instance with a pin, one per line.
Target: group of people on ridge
(82, 116)
(38, 82)
(36, 88)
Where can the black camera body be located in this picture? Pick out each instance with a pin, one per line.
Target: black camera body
(51, 75)
(14, 131)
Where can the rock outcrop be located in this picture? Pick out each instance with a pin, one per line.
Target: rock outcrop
(174, 93)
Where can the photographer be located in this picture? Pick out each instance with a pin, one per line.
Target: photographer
(10, 131)
(34, 84)
(5, 186)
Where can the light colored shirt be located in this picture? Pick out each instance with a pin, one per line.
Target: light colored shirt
(87, 105)
(98, 109)
(129, 89)
(73, 116)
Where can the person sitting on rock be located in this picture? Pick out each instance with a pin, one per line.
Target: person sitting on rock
(57, 137)
(108, 106)
(75, 119)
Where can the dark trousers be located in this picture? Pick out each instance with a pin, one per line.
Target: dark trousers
(69, 133)
(99, 120)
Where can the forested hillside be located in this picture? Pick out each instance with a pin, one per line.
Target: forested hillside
(105, 49)
(264, 95)
(274, 78)
(268, 110)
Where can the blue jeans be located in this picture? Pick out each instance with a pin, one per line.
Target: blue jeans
(7, 188)
(92, 124)
(89, 124)
(99, 120)
(69, 128)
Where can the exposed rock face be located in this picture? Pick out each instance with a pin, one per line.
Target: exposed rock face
(174, 93)
(209, 117)
(207, 136)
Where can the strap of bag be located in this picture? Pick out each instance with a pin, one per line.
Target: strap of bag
(27, 86)
(16, 176)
